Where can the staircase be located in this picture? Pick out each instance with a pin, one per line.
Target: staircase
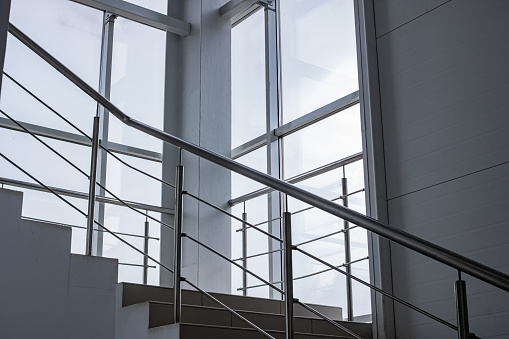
(47, 292)
(147, 312)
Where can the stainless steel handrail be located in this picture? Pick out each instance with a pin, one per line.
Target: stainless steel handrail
(408, 240)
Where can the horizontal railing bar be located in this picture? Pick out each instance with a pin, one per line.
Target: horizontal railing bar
(84, 196)
(258, 224)
(136, 265)
(327, 235)
(335, 199)
(136, 169)
(84, 227)
(184, 235)
(319, 114)
(401, 301)
(408, 240)
(258, 255)
(46, 144)
(307, 275)
(298, 178)
(229, 309)
(231, 215)
(330, 321)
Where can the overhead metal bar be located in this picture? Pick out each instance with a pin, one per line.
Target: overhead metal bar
(301, 177)
(84, 196)
(140, 14)
(319, 114)
(441, 254)
(81, 140)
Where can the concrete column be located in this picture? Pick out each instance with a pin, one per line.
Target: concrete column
(198, 101)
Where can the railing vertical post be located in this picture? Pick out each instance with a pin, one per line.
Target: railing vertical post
(348, 257)
(177, 273)
(91, 190)
(244, 254)
(288, 274)
(460, 289)
(145, 250)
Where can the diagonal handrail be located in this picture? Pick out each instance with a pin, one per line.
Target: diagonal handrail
(443, 255)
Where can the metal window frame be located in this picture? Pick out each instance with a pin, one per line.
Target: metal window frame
(141, 15)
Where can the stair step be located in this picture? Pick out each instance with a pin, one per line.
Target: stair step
(221, 332)
(136, 293)
(161, 313)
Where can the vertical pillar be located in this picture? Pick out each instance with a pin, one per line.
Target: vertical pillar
(145, 250)
(273, 153)
(91, 191)
(348, 257)
(177, 267)
(460, 289)
(288, 276)
(5, 9)
(244, 254)
(105, 90)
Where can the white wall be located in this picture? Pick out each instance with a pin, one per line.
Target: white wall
(444, 79)
(45, 292)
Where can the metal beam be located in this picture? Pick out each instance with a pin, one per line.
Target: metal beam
(84, 196)
(81, 140)
(140, 14)
(235, 7)
(249, 146)
(319, 114)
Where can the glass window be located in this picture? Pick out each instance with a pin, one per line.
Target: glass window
(248, 79)
(155, 5)
(137, 88)
(328, 140)
(318, 54)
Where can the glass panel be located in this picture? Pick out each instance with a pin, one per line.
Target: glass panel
(138, 81)
(248, 79)
(257, 159)
(323, 142)
(70, 32)
(318, 54)
(155, 5)
(361, 293)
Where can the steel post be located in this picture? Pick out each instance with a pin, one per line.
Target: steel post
(348, 256)
(91, 191)
(177, 269)
(244, 254)
(288, 273)
(460, 290)
(145, 250)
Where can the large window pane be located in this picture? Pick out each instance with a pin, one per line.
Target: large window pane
(248, 79)
(318, 51)
(155, 5)
(70, 32)
(138, 81)
(331, 139)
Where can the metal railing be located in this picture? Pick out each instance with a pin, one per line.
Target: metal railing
(461, 263)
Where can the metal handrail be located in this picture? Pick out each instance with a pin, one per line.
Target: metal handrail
(443, 255)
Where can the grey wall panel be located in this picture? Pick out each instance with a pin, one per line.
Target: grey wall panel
(391, 14)
(444, 79)
(467, 215)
